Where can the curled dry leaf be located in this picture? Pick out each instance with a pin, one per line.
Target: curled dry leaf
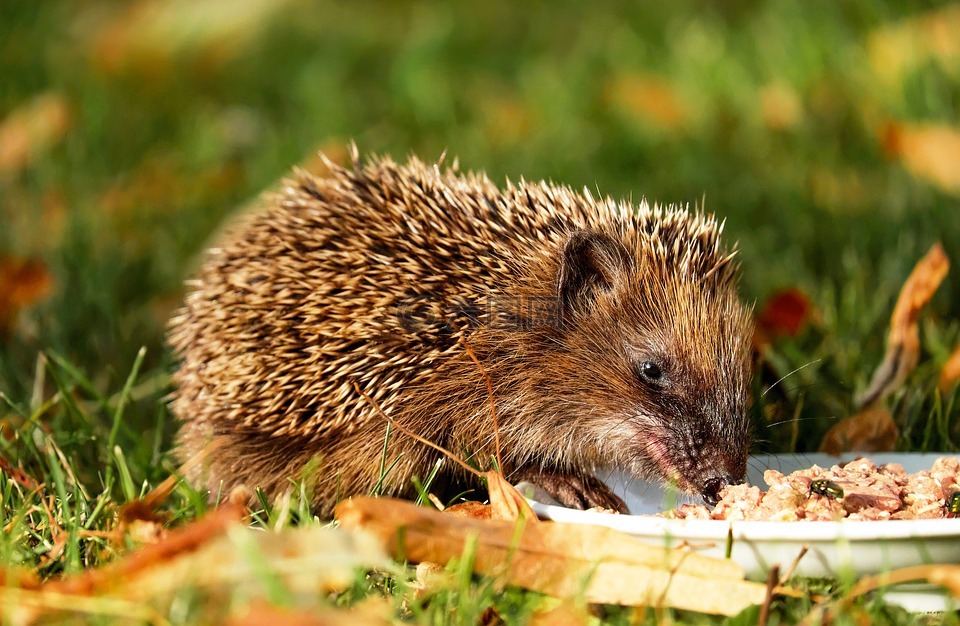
(563, 560)
(903, 342)
(506, 503)
(870, 430)
(950, 372)
(947, 576)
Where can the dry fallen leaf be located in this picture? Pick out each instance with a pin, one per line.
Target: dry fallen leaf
(507, 119)
(948, 576)
(785, 313)
(31, 129)
(950, 372)
(648, 98)
(23, 283)
(562, 615)
(562, 560)
(140, 522)
(870, 430)
(260, 613)
(216, 554)
(780, 105)
(506, 503)
(155, 37)
(471, 509)
(903, 342)
(18, 475)
(184, 540)
(928, 151)
(898, 48)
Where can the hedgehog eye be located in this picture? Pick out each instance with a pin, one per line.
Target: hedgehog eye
(649, 371)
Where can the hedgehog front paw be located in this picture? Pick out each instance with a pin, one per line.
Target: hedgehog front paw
(572, 490)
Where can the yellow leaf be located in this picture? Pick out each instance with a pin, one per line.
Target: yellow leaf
(31, 129)
(899, 48)
(780, 106)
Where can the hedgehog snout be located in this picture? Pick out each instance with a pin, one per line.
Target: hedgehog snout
(710, 492)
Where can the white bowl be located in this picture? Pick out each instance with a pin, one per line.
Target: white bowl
(844, 549)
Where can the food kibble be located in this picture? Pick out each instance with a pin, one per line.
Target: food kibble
(857, 490)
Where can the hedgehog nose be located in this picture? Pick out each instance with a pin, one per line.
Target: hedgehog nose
(712, 488)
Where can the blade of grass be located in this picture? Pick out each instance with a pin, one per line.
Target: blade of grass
(118, 413)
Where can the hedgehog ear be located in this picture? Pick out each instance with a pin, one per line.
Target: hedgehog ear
(590, 262)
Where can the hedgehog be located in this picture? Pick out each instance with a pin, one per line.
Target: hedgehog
(611, 334)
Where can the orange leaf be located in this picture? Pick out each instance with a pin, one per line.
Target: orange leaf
(23, 282)
(929, 152)
(186, 539)
(19, 476)
(950, 372)
(871, 430)
(947, 576)
(648, 98)
(903, 343)
(471, 509)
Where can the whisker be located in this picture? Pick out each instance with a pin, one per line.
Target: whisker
(759, 403)
(802, 419)
(789, 374)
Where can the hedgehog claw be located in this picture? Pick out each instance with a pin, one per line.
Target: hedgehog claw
(572, 490)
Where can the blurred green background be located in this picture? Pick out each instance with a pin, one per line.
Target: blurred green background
(826, 133)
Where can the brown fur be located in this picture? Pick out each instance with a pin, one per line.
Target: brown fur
(376, 274)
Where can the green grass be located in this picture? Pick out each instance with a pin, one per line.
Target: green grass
(169, 134)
